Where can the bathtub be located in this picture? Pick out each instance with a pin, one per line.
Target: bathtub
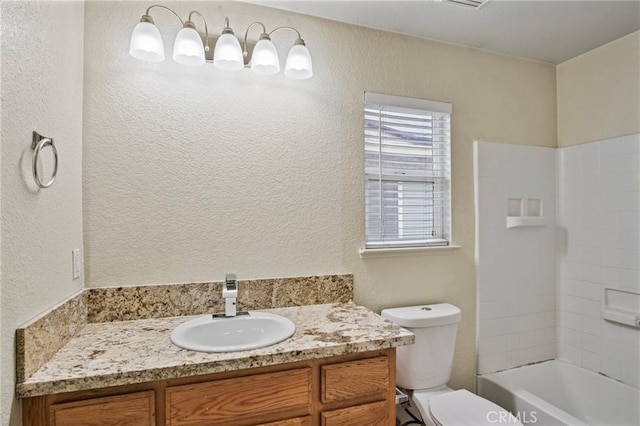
(559, 393)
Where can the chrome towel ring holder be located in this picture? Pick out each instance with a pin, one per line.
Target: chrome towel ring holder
(38, 143)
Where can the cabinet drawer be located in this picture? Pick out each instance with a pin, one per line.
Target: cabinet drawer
(298, 421)
(241, 401)
(374, 414)
(355, 379)
(135, 409)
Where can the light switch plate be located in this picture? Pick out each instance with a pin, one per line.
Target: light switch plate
(77, 263)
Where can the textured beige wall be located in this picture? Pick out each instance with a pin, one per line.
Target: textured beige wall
(42, 48)
(599, 93)
(190, 173)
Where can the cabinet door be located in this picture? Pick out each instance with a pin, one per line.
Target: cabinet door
(374, 414)
(135, 409)
(241, 401)
(355, 379)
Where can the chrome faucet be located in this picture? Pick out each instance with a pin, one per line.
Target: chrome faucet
(230, 293)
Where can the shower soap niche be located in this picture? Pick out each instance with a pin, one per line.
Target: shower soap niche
(621, 306)
(523, 212)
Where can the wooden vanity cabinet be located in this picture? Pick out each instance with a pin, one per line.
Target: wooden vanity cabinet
(350, 390)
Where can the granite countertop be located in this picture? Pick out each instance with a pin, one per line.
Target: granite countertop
(127, 352)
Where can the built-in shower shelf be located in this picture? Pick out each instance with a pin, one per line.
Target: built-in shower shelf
(520, 221)
(524, 212)
(621, 306)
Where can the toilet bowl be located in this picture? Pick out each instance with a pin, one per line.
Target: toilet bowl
(424, 369)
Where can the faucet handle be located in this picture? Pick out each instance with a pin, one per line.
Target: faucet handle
(230, 286)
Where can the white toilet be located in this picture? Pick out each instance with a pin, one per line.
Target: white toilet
(425, 369)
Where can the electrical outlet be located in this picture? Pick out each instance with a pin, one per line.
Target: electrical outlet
(77, 263)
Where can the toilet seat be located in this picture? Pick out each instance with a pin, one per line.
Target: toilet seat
(462, 408)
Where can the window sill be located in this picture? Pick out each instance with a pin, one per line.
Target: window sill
(407, 251)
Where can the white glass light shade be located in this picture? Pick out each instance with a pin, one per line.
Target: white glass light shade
(264, 59)
(188, 48)
(299, 65)
(146, 43)
(228, 54)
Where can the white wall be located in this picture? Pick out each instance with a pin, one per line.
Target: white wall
(599, 206)
(193, 172)
(42, 53)
(516, 266)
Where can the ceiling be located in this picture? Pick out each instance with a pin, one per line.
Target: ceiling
(548, 31)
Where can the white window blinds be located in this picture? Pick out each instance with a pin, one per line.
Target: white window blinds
(407, 171)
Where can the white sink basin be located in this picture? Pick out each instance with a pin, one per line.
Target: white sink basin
(241, 333)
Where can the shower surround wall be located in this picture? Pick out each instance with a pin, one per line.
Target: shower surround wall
(516, 266)
(598, 247)
(595, 245)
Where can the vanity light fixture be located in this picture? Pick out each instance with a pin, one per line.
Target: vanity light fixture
(189, 49)
(227, 54)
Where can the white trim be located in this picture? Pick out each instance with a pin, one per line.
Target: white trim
(367, 253)
(405, 102)
(516, 222)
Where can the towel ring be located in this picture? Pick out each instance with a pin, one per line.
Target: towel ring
(39, 142)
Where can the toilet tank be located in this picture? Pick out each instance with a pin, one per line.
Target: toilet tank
(427, 363)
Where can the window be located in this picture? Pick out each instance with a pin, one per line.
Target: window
(407, 171)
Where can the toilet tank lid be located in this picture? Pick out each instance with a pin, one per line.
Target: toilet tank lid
(423, 315)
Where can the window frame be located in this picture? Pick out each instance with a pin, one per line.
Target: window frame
(442, 183)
